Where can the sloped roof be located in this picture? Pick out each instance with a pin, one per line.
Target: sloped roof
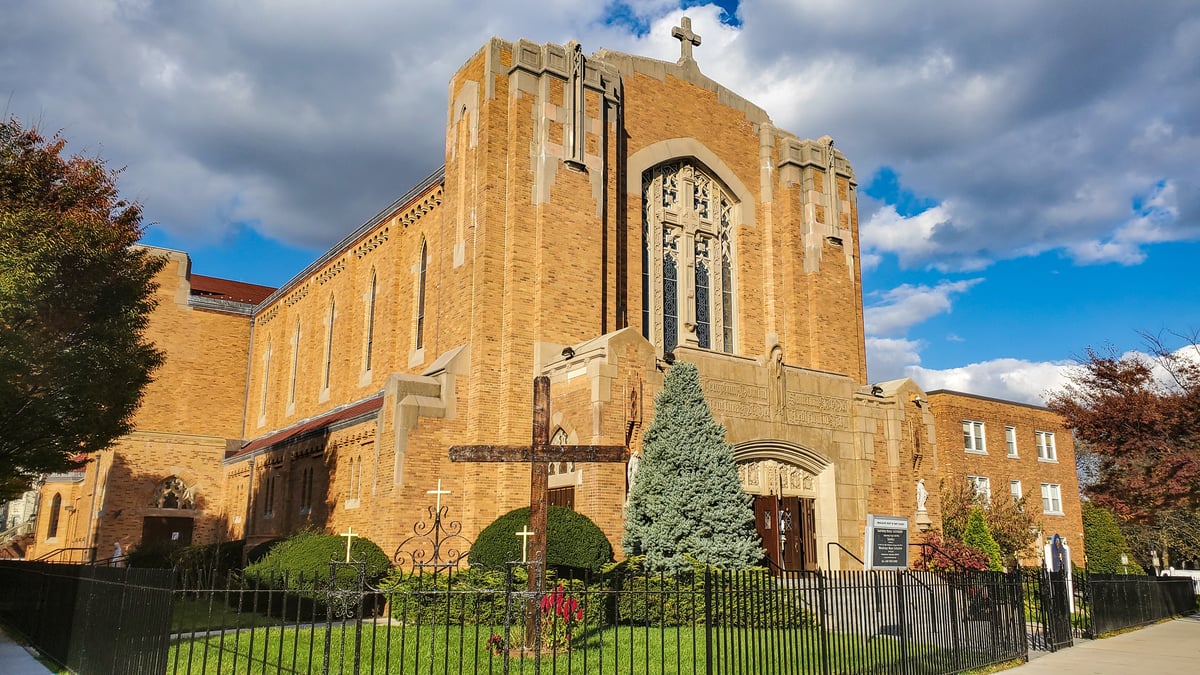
(225, 289)
(311, 426)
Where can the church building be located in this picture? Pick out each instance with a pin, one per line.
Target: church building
(597, 219)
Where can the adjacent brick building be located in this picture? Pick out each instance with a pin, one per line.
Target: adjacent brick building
(597, 219)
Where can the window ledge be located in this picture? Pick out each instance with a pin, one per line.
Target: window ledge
(1014, 456)
(1053, 513)
(351, 504)
(1048, 461)
(974, 452)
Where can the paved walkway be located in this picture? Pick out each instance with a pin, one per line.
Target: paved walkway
(14, 660)
(1171, 647)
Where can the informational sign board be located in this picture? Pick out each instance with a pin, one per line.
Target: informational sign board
(887, 543)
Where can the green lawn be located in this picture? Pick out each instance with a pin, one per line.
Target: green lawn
(457, 649)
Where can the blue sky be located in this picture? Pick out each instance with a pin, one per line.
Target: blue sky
(1027, 170)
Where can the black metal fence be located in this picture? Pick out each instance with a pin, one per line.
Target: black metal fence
(438, 619)
(91, 619)
(109, 620)
(1115, 602)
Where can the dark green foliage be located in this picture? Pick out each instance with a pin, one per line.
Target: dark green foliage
(301, 562)
(686, 499)
(205, 565)
(751, 597)
(76, 295)
(979, 536)
(160, 556)
(257, 552)
(572, 541)
(1104, 543)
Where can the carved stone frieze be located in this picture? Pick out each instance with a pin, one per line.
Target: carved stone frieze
(768, 476)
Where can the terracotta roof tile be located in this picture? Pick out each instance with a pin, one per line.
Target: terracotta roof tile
(225, 289)
(310, 426)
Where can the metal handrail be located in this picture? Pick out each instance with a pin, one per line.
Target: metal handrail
(829, 554)
(58, 551)
(16, 531)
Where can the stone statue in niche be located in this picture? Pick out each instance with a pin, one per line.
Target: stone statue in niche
(777, 385)
(631, 469)
(922, 495)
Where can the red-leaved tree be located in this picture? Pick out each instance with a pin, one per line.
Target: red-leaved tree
(1139, 418)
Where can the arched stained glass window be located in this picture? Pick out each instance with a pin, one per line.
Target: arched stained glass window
(687, 258)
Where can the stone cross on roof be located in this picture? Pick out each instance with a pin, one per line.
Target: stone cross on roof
(686, 39)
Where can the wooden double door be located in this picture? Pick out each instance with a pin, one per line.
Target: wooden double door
(157, 530)
(788, 529)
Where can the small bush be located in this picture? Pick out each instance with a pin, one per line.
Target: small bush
(749, 598)
(160, 556)
(946, 554)
(205, 565)
(573, 541)
(257, 551)
(301, 562)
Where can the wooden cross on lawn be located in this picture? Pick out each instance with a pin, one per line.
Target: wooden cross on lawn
(539, 454)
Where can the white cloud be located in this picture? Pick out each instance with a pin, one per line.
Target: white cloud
(1033, 131)
(1008, 379)
(907, 305)
(888, 358)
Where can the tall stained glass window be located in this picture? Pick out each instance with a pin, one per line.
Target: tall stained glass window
(688, 258)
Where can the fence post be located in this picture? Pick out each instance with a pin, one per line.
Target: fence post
(903, 624)
(821, 604)
(708, 621)
(954, 625)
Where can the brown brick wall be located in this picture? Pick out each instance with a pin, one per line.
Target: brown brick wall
(951, 409)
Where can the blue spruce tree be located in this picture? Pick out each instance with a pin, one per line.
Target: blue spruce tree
(686, 500)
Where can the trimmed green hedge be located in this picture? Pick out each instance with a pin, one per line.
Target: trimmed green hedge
(573, 541)
(301, 562)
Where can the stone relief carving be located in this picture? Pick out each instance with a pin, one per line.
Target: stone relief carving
(768, 476)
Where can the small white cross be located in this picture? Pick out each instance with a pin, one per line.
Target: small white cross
(439, 492)
(349, 535)
(525, 534)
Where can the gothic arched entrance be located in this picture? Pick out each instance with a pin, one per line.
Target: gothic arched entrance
(782, 478)
(170, 518)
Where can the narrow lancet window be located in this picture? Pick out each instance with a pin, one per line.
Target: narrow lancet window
(421, 297)
(329, 345)
(370, 323)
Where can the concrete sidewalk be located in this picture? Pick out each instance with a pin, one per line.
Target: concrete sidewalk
(1171, 647)
(15, 660)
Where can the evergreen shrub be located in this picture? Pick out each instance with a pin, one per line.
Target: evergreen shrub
(977, 535)
(572, 541)
(686, 500)
(1105, 543)
(257, 552)
(301, 562)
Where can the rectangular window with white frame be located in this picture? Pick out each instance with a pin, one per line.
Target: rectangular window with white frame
(1045, 446)
(1052, 499)
(982, 486)
(1015, 486)
(973, 437)
(1010, 439)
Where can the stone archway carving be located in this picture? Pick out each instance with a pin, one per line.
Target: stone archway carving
(173, 493)
(775, 460)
